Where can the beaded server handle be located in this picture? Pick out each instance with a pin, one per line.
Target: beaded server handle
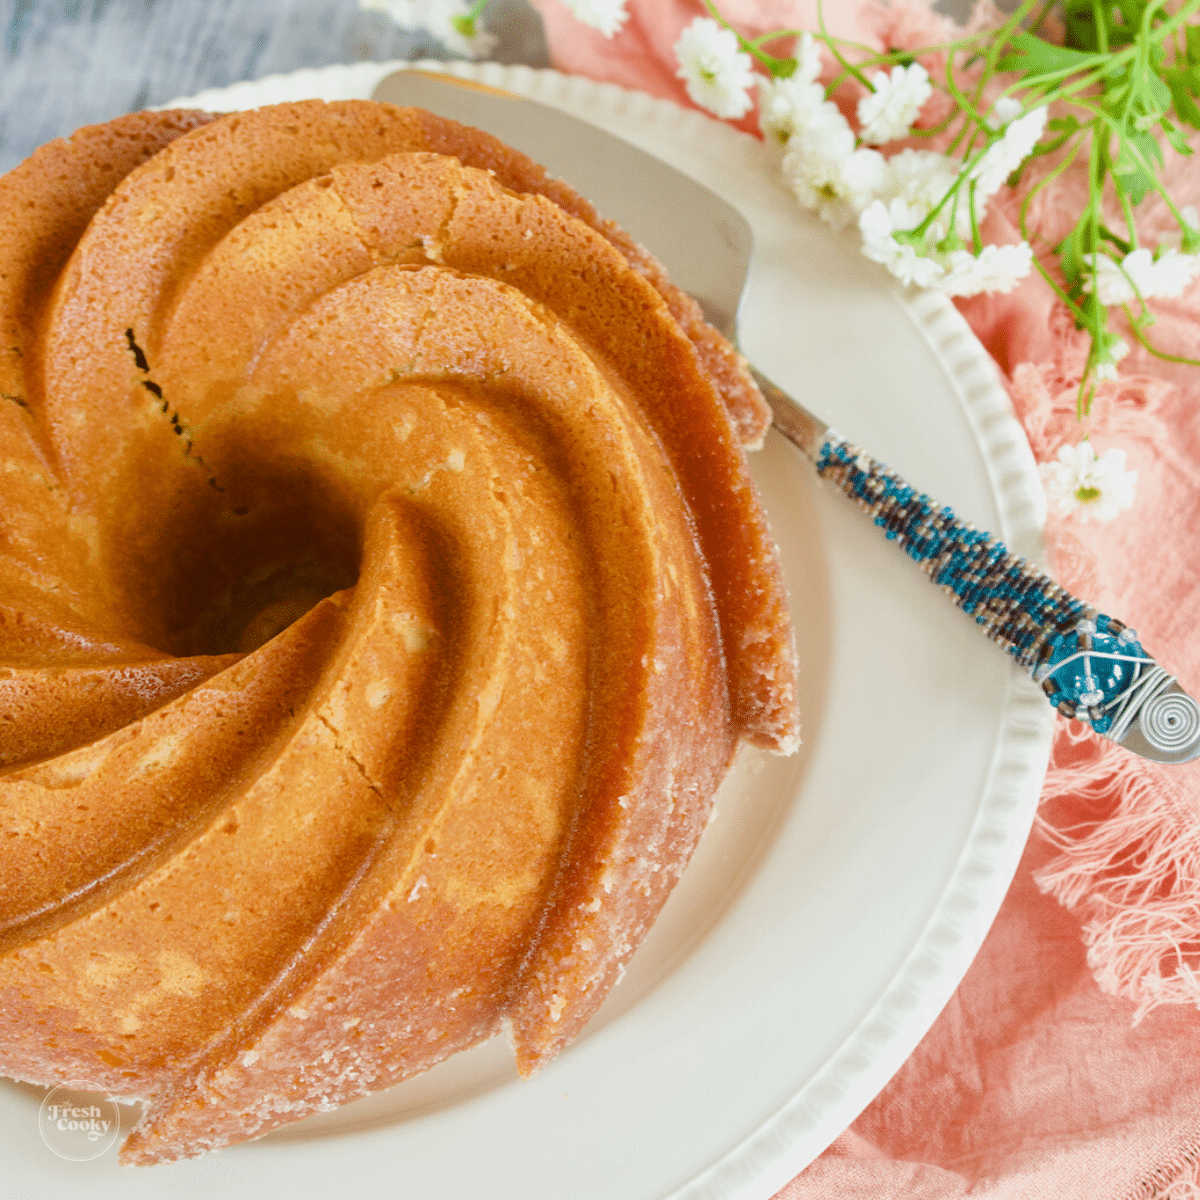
(1091, 667)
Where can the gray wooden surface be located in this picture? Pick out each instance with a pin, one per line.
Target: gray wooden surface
(67, 63)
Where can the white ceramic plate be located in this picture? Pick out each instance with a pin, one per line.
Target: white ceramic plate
(840, 896)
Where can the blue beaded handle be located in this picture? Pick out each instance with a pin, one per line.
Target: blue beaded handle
(1091, 667)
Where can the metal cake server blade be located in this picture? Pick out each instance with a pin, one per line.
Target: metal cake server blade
(1091, 666)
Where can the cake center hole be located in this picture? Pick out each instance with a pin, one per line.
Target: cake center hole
(264, 602)
(223, 573)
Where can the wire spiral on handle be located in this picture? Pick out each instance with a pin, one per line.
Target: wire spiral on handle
(1170, 722)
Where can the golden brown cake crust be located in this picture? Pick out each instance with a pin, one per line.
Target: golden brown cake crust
(726, 367)
(332, 372)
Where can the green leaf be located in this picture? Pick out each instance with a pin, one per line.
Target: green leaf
(1181, 144)
(1067, 124)
(1123, 32)
(1116, 89)
(1160, 94)
(1134, 171)
(1070, 257)
(1177, 138)
(1186, 108)
(1191, 35)
(1121, 244)
(1034, 56)
(1064, 127)
(1096, 314)
(1147, 143)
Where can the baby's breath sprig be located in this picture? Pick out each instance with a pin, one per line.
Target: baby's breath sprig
(1121, 83)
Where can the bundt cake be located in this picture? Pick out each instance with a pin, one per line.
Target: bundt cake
(383, 594)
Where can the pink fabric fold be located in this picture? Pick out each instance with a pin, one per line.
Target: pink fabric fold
(1067, 1064)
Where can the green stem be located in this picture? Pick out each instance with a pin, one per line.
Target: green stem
(976, 238)
(775, 35)
(996, 46)
(890, 58)
(1092, 216)
(1146, 345)
(1127, 209)
(1151, 173)
(1101, 27)
(847, 66)
(1049, 177)
(779, 68)
(1077, 313)
(967, 107)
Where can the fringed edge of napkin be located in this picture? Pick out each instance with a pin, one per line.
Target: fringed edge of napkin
(1128, 842)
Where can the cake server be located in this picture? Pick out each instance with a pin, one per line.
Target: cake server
(1092, 667)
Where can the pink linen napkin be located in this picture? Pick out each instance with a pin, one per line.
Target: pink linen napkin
(1067, 1064)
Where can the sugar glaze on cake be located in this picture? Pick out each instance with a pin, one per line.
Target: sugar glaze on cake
(383, 594)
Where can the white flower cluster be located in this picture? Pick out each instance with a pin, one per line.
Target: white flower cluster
(1091, 487)
(718, 75)
(889, 111)
(841, 179)
(917, 210)
(1141, 274)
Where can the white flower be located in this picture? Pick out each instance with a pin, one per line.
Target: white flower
(826, 134)
(994, 269)
(816, 150)
(888, 112)
(922, 178)
(808, 60)
(1007, 153)
(605, 15)
(1170, 273)
(1095, 488)
(826, 173)
(1003, 111)
(864, 178)
(442, 18)
(1140, 272)
(718, 75)
(877, 224)
(786, 105)
(1109, 281)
